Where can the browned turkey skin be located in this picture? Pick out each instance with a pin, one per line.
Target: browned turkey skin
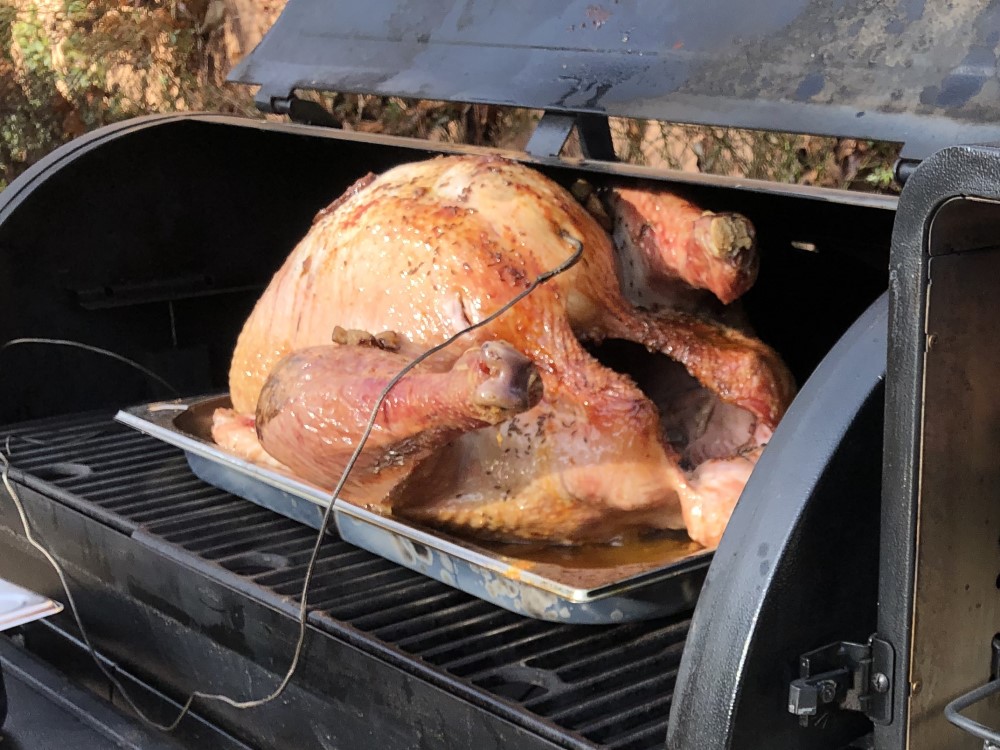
(427, 248)
(318, 401)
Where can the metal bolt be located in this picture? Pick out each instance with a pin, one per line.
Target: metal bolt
(827, 691)
(915, 687)
(880, 683)
(931, 340)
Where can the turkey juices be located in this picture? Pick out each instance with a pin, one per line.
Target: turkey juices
(429, 247)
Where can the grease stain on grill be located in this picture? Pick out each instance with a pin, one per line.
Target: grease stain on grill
(62, 470)
(254, 563)
(413, 553)
(811, 85)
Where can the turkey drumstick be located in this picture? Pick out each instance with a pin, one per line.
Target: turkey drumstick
(318, 400)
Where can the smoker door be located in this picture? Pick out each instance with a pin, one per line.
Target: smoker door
(797, 566)
(939, 582)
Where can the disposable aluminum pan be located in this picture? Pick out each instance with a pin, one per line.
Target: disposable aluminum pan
(19, 606)
(594, 584)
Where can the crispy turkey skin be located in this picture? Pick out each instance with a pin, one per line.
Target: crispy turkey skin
(429, 247)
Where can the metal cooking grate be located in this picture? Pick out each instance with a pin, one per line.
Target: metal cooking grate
(608, 686)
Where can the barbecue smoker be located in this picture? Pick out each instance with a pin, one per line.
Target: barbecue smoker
(855, 592)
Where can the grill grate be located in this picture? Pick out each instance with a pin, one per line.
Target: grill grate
(607, 686)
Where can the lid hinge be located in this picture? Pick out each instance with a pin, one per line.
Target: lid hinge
(301, 111)
(844, 676)
(903, 168)
(554, 129)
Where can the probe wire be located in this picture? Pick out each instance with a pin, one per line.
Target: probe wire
(577, 253)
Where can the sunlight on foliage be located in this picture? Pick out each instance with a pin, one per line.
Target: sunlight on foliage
(69, 66)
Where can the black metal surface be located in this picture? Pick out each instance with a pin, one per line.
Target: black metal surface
(305, 112)
(578, 687)
(553, 130)
(880, 699)
(951, 173)
(550, 135)
(801, 561)
(48, 712)
(896, 71)
(595, 137)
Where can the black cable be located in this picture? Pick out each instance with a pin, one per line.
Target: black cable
(96, 350)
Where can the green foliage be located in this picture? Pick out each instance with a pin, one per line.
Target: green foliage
(88, 63)
(780, 157)
(23, 136)
(881, 177)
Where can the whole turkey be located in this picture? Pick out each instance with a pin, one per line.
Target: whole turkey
(517, 431)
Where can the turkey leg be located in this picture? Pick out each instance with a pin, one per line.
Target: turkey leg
(670, 248)
(317, 402)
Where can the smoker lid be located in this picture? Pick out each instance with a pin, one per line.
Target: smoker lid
(916, 72)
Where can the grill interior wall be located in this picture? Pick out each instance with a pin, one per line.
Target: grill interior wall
(164, 263)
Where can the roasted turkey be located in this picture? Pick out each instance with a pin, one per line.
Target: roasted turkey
(516, 431)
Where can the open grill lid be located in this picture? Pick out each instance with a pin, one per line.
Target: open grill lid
(921, 73)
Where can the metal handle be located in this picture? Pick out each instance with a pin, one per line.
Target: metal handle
(990, 738)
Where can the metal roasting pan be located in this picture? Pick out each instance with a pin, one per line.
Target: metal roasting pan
(594, 584)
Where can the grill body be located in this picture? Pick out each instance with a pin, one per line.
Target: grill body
(184, 586)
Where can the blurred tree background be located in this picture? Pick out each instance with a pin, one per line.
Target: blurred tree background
(69, 66)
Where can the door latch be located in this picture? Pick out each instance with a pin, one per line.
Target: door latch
(844, 676)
